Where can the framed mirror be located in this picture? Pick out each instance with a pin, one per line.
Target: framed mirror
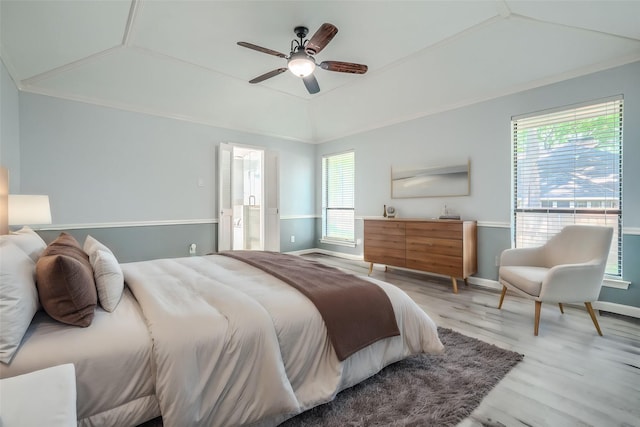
(430, 181)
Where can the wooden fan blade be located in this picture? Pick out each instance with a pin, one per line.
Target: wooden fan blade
(311, 84)
(344, 67)
(321, 38)
(262, 49)
(268, 75)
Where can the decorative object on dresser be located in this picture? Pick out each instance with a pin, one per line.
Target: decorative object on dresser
(446, 247)
(447, 215)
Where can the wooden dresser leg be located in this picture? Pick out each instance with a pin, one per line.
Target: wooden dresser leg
(454, 282)
(370, 268)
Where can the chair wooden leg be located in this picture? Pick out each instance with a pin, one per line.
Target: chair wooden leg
(504, 291)
(537, 320)
(454, 283)
(593, 317)
(561, 307)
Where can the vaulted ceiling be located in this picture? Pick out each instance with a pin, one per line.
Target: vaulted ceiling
(180, 59)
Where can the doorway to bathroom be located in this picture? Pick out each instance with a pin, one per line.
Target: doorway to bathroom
(249, 214)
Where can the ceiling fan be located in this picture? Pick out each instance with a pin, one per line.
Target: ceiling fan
(301, 61)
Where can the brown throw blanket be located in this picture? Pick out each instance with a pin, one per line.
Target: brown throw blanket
(356, 312)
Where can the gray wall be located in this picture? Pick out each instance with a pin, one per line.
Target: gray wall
(149, 242)
(303, 231)
(481, 132)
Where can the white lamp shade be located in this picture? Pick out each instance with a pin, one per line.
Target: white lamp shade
(29, 209)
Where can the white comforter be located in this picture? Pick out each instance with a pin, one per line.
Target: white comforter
(235, 346)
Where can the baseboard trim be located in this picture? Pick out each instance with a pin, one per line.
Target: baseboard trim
(485, 283)
(610, 307)
(328, 252)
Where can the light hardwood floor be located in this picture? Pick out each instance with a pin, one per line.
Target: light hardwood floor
(570, 376)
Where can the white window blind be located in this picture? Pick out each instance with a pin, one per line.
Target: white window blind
(338, 198)
(567, 169)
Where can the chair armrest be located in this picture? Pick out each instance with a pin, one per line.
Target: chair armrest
(573, 282)
(523, 256)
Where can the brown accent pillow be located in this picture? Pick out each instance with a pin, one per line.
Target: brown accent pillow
(64, 278)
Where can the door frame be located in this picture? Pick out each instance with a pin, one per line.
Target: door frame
(270, 215)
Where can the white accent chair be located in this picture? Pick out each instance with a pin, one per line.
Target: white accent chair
(569, 268)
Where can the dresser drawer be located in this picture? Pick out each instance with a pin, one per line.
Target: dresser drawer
(385, 241)
(439, 264)
(439, 229)
(389, 256)
(383, 228)
(429, 245)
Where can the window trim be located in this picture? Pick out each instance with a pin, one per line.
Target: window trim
(573, 208)
(324, 189)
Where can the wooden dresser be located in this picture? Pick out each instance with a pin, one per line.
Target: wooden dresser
(446, 247)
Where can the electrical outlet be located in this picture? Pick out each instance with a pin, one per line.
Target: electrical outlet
(358, 242)
(192, 249)
(497, 261)
(293, 238)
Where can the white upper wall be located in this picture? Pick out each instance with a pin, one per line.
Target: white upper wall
(482, 134)
(9, 129)
(101, 165)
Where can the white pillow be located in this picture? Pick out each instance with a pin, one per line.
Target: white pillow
(109, 279)
(91, 245)
(27, 240)
(106, 271)
(18, 297)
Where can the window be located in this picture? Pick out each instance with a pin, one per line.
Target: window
(567, 166)
(338, 210)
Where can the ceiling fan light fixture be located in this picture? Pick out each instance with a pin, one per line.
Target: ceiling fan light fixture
(301, 64)
(301, 60)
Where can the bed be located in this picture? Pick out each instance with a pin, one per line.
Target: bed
(209, 341)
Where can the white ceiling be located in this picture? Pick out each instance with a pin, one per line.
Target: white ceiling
(179, 58)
